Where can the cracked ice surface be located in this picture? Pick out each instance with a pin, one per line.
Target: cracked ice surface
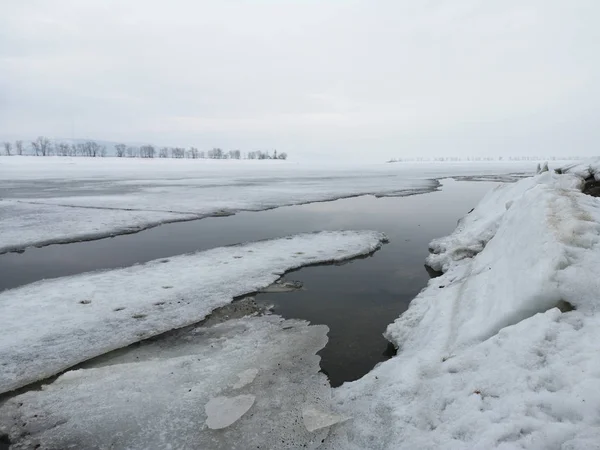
(180, 392)
(51, 325)
(50, 200)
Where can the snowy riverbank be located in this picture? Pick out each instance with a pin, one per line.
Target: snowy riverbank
(501, 350)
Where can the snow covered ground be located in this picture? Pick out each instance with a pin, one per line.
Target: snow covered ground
(56, 199)
(501, 351)
(48, 326)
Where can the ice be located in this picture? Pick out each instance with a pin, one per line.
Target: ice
(222, 412)
(50, 200)
(314, 419)
(246, 377)
(501, 350)
(48, 326)
(169, 393)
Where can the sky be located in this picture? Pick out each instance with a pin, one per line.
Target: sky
(350, 79)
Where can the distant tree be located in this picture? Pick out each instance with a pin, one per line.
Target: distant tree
(93, 149)
(7, 148)
(132, 152)
(41, 146)
(147, 151)
(194, 153)
(215, 153)
(19, 147)
(120, 149)
(282, 155)
(234, 154)
(62, 149)
(178, 152)
(163, 152)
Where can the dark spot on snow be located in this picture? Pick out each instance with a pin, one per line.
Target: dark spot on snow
(4, 442)
(238, 257)
(442, 286)
(299, 253)
(164, 261)
(85, 302)
(564, 306)
(159, 303)
(472, 209)
(167, 287)
(591, 187)
(432, 272)
(120, 308)
(138, 316)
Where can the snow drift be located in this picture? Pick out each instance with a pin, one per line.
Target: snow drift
(501, 350)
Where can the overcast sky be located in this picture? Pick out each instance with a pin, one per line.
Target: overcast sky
(376, 78)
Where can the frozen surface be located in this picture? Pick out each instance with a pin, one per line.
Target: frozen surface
(222, 412)
(491, 354)
(49, 200)
(180, 392)
(48, 326)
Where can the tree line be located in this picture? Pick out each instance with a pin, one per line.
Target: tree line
(483, 158)
(43, 146)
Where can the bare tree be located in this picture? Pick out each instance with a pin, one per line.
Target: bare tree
(178, 152)
(7, 148)
(234, 154)
(194, 153)
(63, 149)
(147, 151)
(41, 146)
(19, 147)
(282, 155)
(120, 149)
(132, 152)
(102, 151)
(215, 153)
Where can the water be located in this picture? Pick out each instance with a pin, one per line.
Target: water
(357, 300)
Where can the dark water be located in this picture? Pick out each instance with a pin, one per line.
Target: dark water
(356, 300)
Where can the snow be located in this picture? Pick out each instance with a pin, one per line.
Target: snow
(500, 351)
(60, 199)
(315, 419)
(51, 325)
(171, 393)
(486, 359)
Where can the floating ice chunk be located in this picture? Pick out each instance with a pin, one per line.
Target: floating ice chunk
(225, 411)
(246, 377)
(315, 419)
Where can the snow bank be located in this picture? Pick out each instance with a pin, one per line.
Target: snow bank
(182, 391)
(491, 354)
(48, 326)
